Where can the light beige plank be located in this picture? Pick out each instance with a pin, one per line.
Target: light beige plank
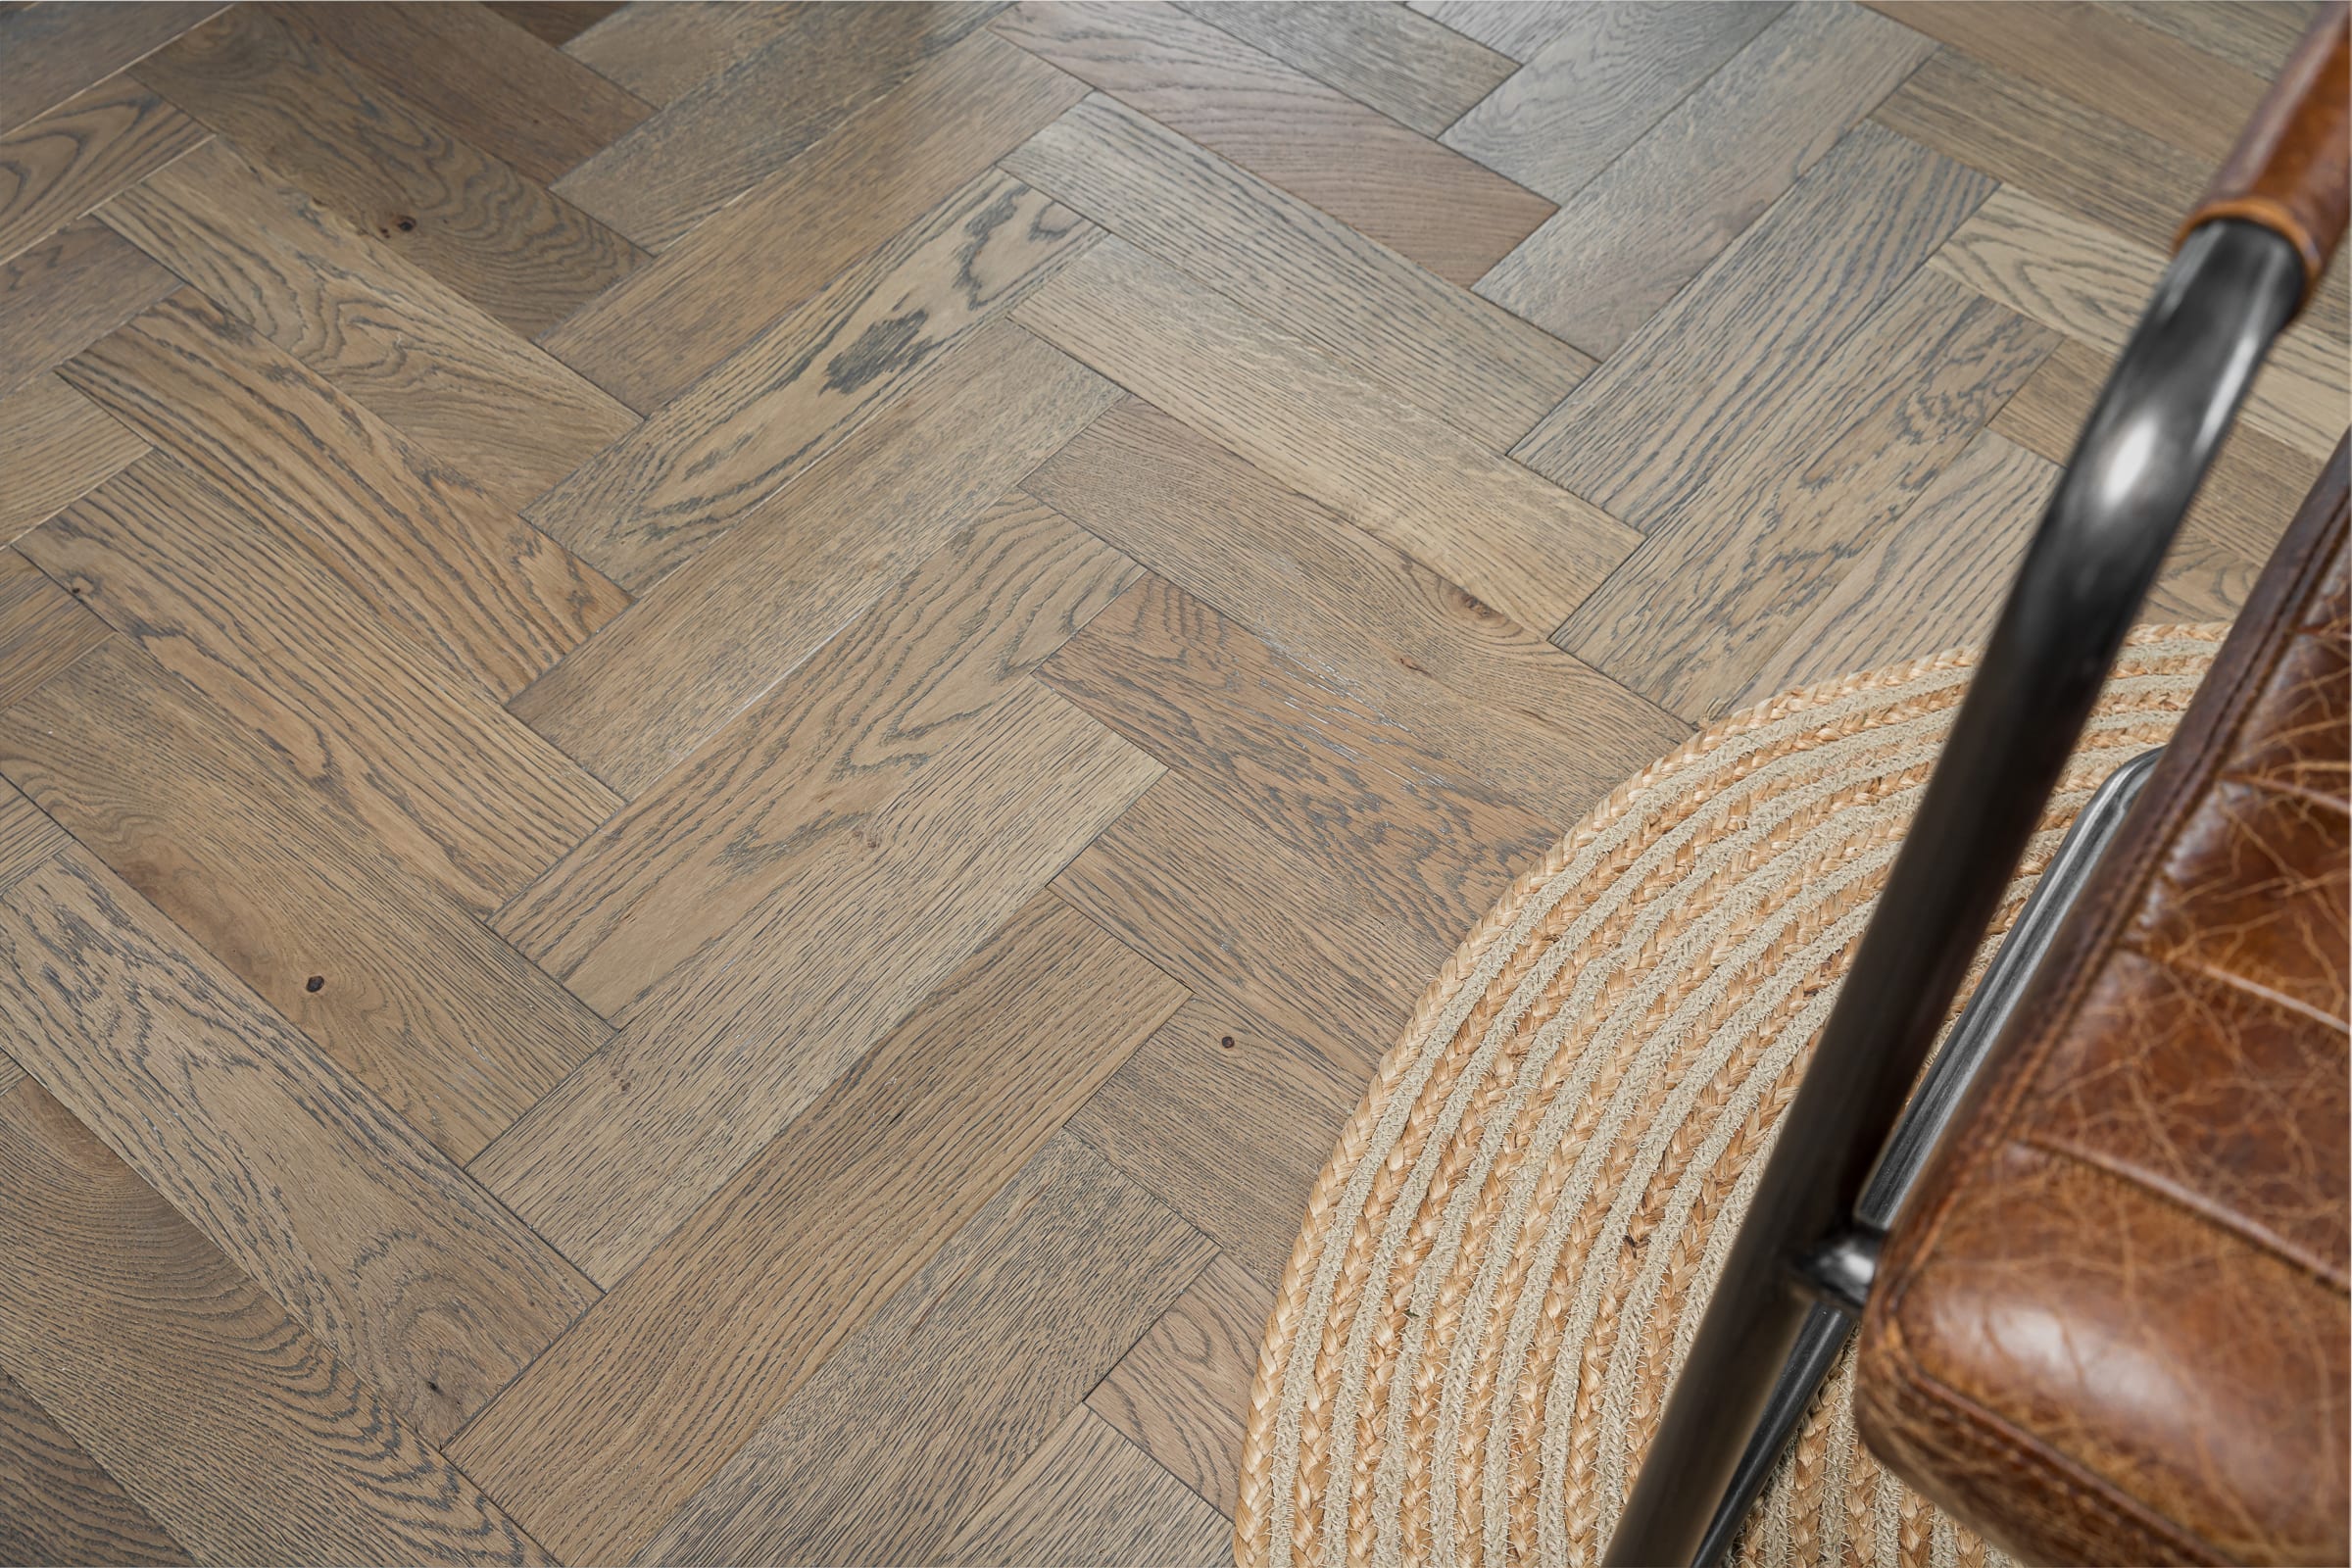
(1416, 71)
(1514, 28)
(76, 156)
(1183, 1393)
(2255, 35)
(1089, 1496)
(57, 446)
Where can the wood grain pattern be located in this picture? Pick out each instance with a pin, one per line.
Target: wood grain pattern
(1182, 1393)
(835, 742)
(1514, 28)
(1393, 186)
(61, 165)
(613, 1429)
(262, 76)
(1398, 326)
(361, 1231)
(64, 293)
(810, 559)
(1601, 82)
(1625, 244)
(415, 539)
(48, 53)
(117, 1305)
(461, 793)
(1722, 580)
(1088, 1495)
(57, 1504)
(719, 140)
(59, 446)
(2255, 35)
(889, 164)
(1416, 71)
(663, 52)
(382, 331)
(793, 392)
(555, 21)
(1534, 551)
(938, 1401)
(42, 630)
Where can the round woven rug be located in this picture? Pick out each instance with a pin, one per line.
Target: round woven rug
(1506, 1260)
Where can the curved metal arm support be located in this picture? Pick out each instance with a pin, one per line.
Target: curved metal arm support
(2227, 295)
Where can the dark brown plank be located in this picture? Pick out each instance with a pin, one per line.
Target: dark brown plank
(254, 1442)
(57, 1504)
(614, 1428)
(1416, 71)
(66, 292)
(1089, 1496)
(417, 541)
(60, 165)
(717, 141)
(48, 53)
(555, 21)
(892, 162)
(57, 447)
(1389, 183)
(42, 630)
(450, 1026)
(1183, 1393)
(356, 1226)
(262, 77)
(936, 1403)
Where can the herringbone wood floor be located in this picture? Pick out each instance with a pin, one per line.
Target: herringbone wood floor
(730, 729)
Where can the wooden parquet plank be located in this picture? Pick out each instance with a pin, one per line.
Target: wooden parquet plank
(57, 1504)
(719, 140)
(1599, 85)
(507, 92)
(2255, 35)
(1644, 431)
(889, 164)
(1723, 578)
(1618, 250)
(1416, 71)
(701, 1077)
(427, 1289)
(42, 630)
(1410, 332)
(262, 76)
(385, 334)
(68, 161)
(416, 540)
(2091, 284)
(57, 447)
(1089, 1496)
(66, 292)
(1183, 1393)
(938, 1401)
(611, 1430)
(255, 1441)
(1514, 28)
(710, 638)
(462, 794)
(48, 53)
(1527, 548)
(796, 390)
(450, 1026)
(660, 53)
(558, 21)
(836, 741)
(1390, 183)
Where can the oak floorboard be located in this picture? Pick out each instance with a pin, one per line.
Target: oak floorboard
(168, 1358)
(1413, 334)
(356, 1226)
(2255, 35)
(1516, 29)
(1722, 580)
(1089, 1496)
(63, 294)
(1390, 183)
(836, 741)
(28, 841)
(1420, 73)
(614, 1428)
(57, 1504)
(1524, 546)
(48, 53)
(61, 165)
(42, 630)
(707, 639)
(629, 1145)
(509, 93)
(898, 158)
(383, 332)
(1183, 1393)
(57, 447)
(449, 1026)
(460, 792)
(424, 545)
(660, 53)
(942, 1396)
(710, 145)
(1643, 433)
(556, 21)
(1599, 85)
(795, 391)
(1623, 246)
(262, 76)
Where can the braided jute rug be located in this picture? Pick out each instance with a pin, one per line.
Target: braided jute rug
(1506, 1258)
